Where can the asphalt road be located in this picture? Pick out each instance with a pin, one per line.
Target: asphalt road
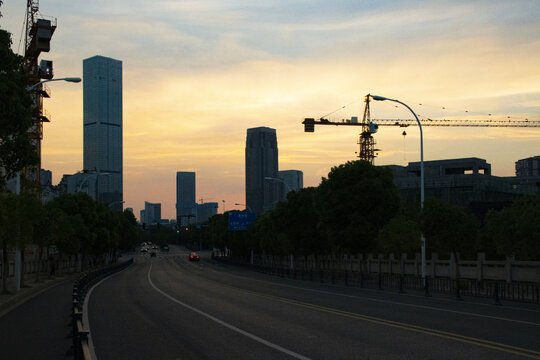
(168, 308)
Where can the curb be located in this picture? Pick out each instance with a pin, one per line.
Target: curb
(15, 300)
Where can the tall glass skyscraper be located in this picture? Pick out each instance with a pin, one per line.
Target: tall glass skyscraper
(102, 117)
(261, 165)
(186, 204)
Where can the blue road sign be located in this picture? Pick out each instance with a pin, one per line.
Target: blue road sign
(240, 221)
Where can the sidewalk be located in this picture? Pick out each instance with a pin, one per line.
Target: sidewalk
(35, 323)
(32, 288)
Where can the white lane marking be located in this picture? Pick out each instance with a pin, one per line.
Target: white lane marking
(389, 301)
(227, 325)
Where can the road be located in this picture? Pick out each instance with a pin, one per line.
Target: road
(166, 307)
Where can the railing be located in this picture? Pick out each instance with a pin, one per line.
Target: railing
(528, 292)
(80, 347)
(29, 267)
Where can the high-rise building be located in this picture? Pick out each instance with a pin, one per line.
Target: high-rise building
(186, 205)
(102, 118)
(261, 168)
(293, 179)
(206, 210)
(142, 217)
(45, 177)
(152, 213)
(528, 167)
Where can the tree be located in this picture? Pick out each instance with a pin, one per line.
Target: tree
(516, 230)
(354, 202)
(17, 150)
(298, 220)
(449, 228)
(7, 204)
(400, 235)
(129, 231)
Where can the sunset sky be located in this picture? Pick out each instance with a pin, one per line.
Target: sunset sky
(198, 73)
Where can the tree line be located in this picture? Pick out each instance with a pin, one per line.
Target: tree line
(70, 224)
(67, 226)
(357, 209)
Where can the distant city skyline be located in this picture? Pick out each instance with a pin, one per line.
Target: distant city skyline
(196, 75)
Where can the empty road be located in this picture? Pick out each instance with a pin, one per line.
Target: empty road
(166, 307)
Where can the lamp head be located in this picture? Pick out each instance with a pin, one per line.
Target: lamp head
(73, 79)
(378, 98)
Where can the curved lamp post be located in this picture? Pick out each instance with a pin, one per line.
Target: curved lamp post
(279, 180)
(68, 79)
(422, 239)
(247, 207)
(95, 174)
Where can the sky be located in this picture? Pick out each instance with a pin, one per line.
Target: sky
(198, 73)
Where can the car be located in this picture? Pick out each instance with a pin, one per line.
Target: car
(194, 257)
(143, 250)
(153, 254)
(165, 248)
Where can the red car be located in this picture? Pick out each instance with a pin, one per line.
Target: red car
(194, 257)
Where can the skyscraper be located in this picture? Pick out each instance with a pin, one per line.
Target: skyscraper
(261, 164)
(102, 118)
(186, 205)
(152, 213)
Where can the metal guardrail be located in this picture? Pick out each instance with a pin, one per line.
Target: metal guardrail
(527, 292)
(80, 346)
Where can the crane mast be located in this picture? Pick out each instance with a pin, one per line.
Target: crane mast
(370, 126)
(39, 31)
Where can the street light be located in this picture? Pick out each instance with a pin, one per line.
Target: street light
(95, 174)
(68, 79)
(247, 207)
(422, 239)
(279, 180)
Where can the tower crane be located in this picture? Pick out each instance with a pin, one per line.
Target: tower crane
(39, 31)
(370, 126)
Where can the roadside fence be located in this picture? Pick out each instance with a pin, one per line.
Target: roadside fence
(528, 292)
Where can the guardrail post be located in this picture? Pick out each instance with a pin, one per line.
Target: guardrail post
(379, 281)
(76, 316)
(82, 337)
(401, 291)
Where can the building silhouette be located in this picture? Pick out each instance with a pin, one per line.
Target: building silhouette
(466, 182)
(261, 164)
(152, 213)
(294, 180)
(102, 132)
(206, 210)
(186, 205)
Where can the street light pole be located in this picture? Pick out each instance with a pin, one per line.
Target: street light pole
(68, 79)
(279, 180)
(422, 239)
(18, 258)
(247, 207)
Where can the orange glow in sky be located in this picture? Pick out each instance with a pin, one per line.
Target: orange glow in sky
(198, 74)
